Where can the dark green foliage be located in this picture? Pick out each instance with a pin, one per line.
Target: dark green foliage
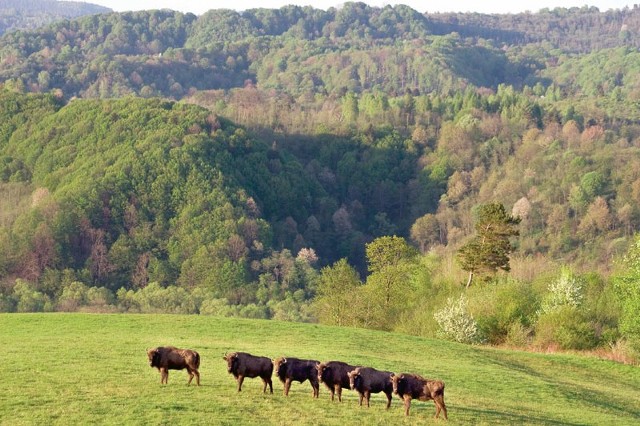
(490, 248)
(143, 190)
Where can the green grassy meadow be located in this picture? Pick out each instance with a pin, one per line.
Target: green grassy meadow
(92, 369)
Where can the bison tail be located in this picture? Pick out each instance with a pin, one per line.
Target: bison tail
(196, 359)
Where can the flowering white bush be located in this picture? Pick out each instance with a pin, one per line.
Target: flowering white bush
(565, 291)
(456, 323)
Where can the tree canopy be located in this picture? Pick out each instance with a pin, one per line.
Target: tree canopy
(489, 249)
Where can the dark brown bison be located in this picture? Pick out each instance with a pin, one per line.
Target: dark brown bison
(167, 358)
(334, 375)
(293, 369)
(242, 364)
(412, 386)
(367, 380)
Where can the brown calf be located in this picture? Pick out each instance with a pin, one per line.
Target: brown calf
(166, 358)
(412, 386)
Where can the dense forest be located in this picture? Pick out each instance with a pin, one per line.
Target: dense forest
(345, 166)
(31, 14)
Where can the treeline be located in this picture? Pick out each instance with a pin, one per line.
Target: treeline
(573, 30)
(138, 205)
(32, 14)
(304, 51)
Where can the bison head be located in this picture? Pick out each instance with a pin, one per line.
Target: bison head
(398, 384)
(321, 367)
(154, 357)
(231, 360)
(278, 364)
(354, 377)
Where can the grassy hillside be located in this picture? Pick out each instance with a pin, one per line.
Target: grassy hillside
(92, 369)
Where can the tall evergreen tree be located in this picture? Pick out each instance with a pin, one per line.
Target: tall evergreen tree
(489, 249)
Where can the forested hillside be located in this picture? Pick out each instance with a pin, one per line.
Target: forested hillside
(327, 165)
(31, 14)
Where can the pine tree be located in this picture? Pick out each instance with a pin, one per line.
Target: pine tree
(489, 249)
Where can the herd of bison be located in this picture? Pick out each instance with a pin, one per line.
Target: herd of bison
(336, 375)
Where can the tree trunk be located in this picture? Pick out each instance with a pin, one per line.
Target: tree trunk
(470, 278)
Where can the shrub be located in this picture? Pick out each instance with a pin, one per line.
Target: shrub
(291, 309)
(74, 295)
(500, 307)
(518, 335)
(627, 288)
(7, 303)
(456, 323)
(564, 291)
(254, 311)
(126, 300)
(100, 296)
(218, 307)
(30, 300)
(566, 327)
(170, 300)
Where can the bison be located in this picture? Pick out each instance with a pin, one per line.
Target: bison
(367, 380)
(293, 369)
(167, 358)
(242, 364)
(412, 386)
(334, 375)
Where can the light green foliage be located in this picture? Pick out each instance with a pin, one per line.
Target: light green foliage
(391, 262)
(337, 294)
(30, 300)
(566, 327)
(456, 323)
(171, 299)
(627, 285)
(73, 296)
(505, 309)
(563, 320)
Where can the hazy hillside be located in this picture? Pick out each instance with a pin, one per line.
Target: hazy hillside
(31, 14)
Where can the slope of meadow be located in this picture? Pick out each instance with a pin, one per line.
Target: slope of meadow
(92, 369)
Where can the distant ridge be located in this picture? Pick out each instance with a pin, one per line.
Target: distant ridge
(29, 14)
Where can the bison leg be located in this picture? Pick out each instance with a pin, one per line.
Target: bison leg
(316, 389)
(240, 380)
(332, 390)
(339, 392)
(192, 373)
(287, 386)
(267, 381)
(407, 404)
(439, 400)
(388, 399)
(367, 395)
(164, 376)
(361, 397)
